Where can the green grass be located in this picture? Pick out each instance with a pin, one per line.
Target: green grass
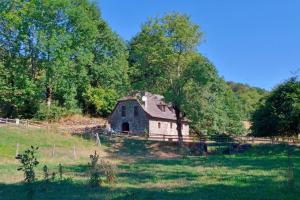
(260, 173)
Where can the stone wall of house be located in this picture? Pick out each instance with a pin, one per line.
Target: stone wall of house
(137, 124)
(166, 127)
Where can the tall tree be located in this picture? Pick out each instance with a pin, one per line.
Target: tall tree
(163, 59)
(54, 51)
(280, 114)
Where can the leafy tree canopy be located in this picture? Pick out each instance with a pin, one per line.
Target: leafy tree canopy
(250, 97)
(55, 51)
(280, 114)
(163, 59)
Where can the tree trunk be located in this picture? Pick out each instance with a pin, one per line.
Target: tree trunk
(179, 127)
(49, 96)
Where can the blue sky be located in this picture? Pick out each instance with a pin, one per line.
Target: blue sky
(249, 41)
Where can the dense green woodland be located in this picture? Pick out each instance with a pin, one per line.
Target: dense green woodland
(249, 97)
(60, 57)
(280, 112)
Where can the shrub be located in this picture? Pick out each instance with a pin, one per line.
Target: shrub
(53, 176)
(55, 112)
(109, 171)
(46, 172)
(100, 99)
(28, 161)
(60, 171)
(94, 170)
(103, 168)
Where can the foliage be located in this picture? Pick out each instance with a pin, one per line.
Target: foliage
(250, 97)
(163, 59)
(54, 112)
(215, 110)
(101, 100)
(97, 170)
(60, 171)
(28, 161)
(280, 114)
(95, 174)
(52, 52)
(46, 172)
(109, 172)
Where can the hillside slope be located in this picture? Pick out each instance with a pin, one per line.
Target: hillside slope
(142, 172)
(54, 148)
(250, 97)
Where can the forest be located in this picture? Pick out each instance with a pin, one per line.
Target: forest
(60, 57)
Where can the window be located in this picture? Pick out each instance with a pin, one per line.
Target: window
(171, 124)
(136, 111)
(158, 124)
(162, 108)
(123, 111)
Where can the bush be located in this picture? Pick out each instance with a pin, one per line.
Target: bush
(60, 171)
(97, 170)
(109, 172)
(100, 99)
(94, 170)
(28, 161)
(46, 173)
(54, 113)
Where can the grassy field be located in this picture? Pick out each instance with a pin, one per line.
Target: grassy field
(147, 170)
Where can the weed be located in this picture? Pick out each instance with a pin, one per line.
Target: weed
(28, 161)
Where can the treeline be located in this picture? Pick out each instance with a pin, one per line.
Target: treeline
(279, 114)
(250, 97)
(60, 57)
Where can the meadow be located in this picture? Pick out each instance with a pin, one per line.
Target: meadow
(146, 170)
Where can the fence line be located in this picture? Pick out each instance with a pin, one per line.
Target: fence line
(226, 139)
(93, 131)
(23, 122)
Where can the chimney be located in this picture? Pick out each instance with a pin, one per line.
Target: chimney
(144, 99)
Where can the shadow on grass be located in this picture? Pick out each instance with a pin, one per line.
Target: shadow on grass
(137, 147)
(51, 190)
(263, 188)
(178, 179)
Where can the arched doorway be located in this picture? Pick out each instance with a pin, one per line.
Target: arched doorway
(125, 127)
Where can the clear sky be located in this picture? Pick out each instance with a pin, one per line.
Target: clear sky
(249, 41)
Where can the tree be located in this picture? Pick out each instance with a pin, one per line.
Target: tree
(249, 97)
(215, 109)
(163, 59)
(280, 114)
(52, 52)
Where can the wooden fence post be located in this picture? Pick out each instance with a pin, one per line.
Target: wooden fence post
(17, 150)
(74, 152)
(98, 142)
(53, 150)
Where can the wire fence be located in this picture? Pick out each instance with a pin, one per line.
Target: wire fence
(96, 130)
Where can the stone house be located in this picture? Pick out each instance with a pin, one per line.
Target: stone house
(146, 112)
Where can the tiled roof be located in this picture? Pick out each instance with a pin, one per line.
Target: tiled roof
(151, 106)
